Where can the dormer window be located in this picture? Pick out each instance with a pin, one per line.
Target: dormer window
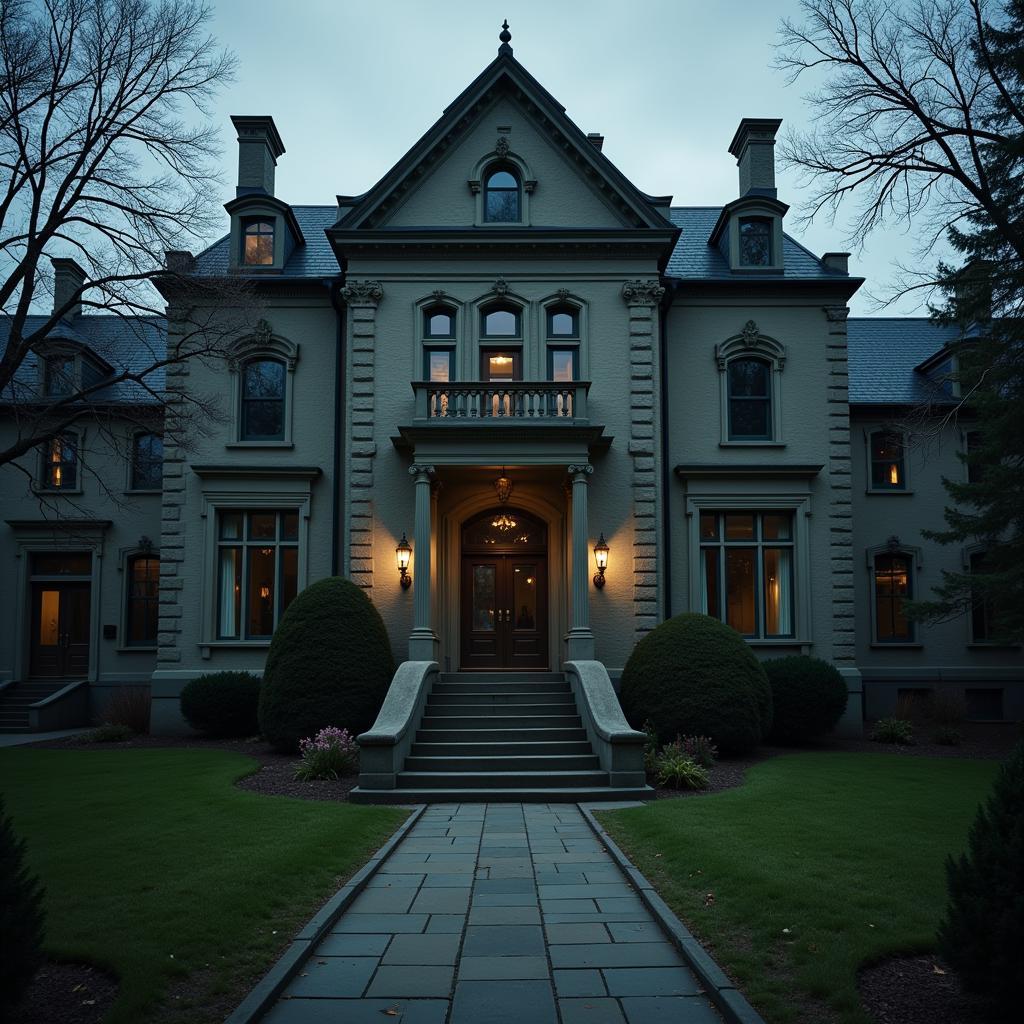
(258, 243)
(59, 376)
(755, 242)
(501, 197)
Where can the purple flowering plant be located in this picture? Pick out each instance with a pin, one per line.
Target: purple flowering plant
(331, 753)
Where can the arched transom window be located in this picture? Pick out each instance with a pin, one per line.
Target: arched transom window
(502, 199)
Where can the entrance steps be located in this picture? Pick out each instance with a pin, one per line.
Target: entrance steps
(39, 706)
(500, 737)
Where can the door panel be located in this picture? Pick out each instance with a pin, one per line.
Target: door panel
(527, 629)
(481, 642)
(75, 601)
(59, 645)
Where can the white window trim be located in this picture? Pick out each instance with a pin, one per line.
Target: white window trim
(800, 507)
(881, 428)
(255, 347)
(750, 342)
(916, 563)
(217, 501)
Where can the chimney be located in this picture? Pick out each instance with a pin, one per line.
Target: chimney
(596, 139)
(837, 261)
(259, 146)
(753, 145)
(68, 278)
(179, 261)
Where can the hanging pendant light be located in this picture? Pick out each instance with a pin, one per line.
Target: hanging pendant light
(503, 485)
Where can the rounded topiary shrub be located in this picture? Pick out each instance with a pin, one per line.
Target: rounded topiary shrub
(694, 675)
(222, 703)
(329, 664)
(808, 697)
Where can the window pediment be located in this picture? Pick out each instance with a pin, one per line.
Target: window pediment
(750, 342)
(263, 342)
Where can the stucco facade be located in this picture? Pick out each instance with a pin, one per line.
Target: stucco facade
(681, 382)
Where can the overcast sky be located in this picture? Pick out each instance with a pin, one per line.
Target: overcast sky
(352, 86)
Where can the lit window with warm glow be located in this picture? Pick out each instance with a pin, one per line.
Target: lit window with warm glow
(747, 571)
(887, 461)
(257, 571)
(893, 587)
(60, 463)
(258, 243)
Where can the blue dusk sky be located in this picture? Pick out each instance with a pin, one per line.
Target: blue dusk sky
(352, 86)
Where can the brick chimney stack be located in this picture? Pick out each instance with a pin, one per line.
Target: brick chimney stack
(259, 146)
(68, 278)
(753, 145)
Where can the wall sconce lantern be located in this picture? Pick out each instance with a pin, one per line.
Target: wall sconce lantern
(601, 558)
(402, 555)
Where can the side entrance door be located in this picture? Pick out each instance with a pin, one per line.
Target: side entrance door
(60, 629)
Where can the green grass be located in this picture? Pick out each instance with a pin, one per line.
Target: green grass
(846, 851)
(158, 868)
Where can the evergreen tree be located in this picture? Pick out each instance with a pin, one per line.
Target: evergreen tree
(21, 919)
(982, 934)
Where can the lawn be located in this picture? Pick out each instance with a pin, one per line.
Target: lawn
(817, 864)
(157, 867)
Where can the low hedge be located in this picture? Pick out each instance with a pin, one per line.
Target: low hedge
(222, 703)
(808, 697)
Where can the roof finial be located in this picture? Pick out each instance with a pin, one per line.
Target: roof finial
(506, 38)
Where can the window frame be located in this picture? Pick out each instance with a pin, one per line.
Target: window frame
(913, 556)
(904, 462)
(750, 343)
(129, 558)
(71, 378)
(765, 398)
(768, 225)
(65, 437)
(265, 346)
(245, 223)
(798, 505)
(493, 169)
(501, 306)
(244, 399)
(133, 483)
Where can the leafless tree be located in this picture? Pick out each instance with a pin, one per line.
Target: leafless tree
(900, 125)
(108, 157)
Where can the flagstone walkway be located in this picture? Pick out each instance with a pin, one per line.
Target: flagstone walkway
(487, 914)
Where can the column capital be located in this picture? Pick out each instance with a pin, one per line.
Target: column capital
(581, 471)
(363, 293)
(642, 293)
(418, 471)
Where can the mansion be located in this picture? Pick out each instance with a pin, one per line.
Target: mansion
(531, 409)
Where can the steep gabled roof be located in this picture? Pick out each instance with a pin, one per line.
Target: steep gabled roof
(506, 75)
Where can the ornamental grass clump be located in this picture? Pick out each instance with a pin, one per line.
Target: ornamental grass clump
(330, 754)
(675, 769)
(699, 749)
(893, 730)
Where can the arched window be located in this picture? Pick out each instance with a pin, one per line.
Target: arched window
(258, 243)
(142, 600)
(439, 322)
(501, 321)
(263, 400)
(755, 242)
(501, 196)
(750, 399)
(893, 586)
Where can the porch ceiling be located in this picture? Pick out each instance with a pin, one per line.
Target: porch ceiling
(502, 443)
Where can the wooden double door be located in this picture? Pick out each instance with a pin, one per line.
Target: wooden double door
(59, 645)
(504, 597)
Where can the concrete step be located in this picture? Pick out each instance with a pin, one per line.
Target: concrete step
(433, 710)
(503, 687)
(449, 734)
(569, 794)
(492, 749)
(531, 763)
(502, 677)
(501, 780)
(500, 722)
(490, 698)
(14, 721)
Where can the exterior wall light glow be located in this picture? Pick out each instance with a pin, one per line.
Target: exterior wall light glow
(402, 555)
(601, 558)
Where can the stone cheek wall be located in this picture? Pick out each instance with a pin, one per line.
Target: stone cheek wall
(840, 513)
(642, 298)
(362, 297)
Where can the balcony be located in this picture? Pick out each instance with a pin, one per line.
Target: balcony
(513, 402)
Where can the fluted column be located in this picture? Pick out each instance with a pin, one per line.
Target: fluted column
(580, 641)
(422, 640)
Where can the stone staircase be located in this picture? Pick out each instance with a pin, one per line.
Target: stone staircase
(18, 698)
(500, 737)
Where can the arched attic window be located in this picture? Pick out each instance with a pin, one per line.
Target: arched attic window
(502, 195)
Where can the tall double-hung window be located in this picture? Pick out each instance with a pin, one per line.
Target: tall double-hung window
(257, 571)
(747, 571)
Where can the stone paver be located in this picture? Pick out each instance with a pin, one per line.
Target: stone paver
(499, 913)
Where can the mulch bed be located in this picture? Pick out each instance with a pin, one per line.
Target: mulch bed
(68, 993)
(919, 990)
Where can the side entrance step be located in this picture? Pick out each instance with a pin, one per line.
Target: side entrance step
(496, 736)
